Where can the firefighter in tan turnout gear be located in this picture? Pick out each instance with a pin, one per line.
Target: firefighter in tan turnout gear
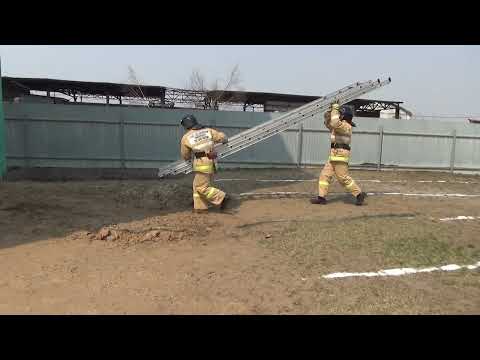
(199, 142)
(339, 121)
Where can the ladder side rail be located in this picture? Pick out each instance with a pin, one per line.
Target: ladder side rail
(287, 123)
(329, 97)
(345, 97)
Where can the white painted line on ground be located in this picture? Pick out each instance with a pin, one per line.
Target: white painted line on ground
(401, 271)
(288, 180)
(431, 181)
(371, 193)
(425, 195)
(360, 180)
(269, 180)
(460, 218)
(274, 193)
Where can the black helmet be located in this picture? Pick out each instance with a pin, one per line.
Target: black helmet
(346, 112)
(189, 122)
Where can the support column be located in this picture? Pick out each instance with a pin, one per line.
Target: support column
(380, 147)
(121, 141)
(300, 145)
(452, 152)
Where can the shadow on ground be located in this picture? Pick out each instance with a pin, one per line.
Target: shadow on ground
(32, 211)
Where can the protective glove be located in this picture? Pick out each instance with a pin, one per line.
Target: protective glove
(335, 106)
(326, 117)
(212, 155)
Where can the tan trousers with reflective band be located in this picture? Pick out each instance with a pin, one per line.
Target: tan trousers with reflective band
(340, 171)
(204, 193)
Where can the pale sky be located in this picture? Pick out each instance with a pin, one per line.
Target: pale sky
(432, 80)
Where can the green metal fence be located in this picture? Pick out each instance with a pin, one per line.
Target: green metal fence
(3, 161)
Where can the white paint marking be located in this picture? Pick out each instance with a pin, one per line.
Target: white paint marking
(372, 193)
(451, 267)
(460, 218)
(425, 195)
(429, 269)
(401, 271)
(360, 180)
(274, 193)
(270, 180)
(287, 180)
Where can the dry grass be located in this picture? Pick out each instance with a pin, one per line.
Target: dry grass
(362, 244)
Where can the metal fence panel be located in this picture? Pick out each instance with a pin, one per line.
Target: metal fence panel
(280, 149)
(109, 136)
(316, 146)
(14, 138)
(152, 142)
(467, 153)
(416, 151)
(364, 148)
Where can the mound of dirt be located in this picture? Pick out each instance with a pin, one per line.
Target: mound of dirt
(158, 229)
(128, 237)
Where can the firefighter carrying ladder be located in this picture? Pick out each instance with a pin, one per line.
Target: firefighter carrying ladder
(273, 127)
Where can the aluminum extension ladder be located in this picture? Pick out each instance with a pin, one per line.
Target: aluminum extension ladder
(275, 126)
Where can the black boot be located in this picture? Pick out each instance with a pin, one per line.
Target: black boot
(318, 200)
(200, 211)
(360, 198)
(224, 203)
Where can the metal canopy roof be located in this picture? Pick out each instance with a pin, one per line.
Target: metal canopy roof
(175, 95)
(259, 97)
(83, 87)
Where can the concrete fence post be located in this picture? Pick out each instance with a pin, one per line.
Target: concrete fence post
(380, 147)
(300, 145)
(452, 152)
(121, 135)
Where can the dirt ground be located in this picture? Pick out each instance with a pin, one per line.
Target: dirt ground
(135, 247)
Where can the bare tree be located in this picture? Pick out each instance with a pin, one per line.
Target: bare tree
(196, 81)
(216, 92)
(234, 78)
(233, 81)
(135, 89)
